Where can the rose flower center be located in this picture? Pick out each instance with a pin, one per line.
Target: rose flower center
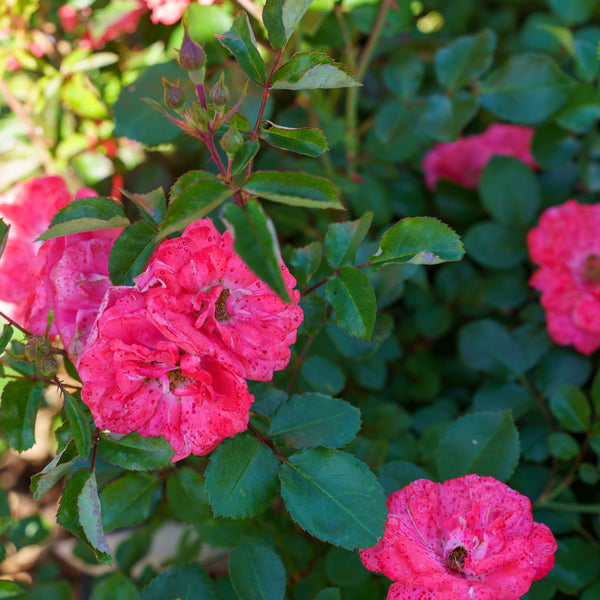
(221, 313)
(176, 379)
(456, 559)
(591, 268)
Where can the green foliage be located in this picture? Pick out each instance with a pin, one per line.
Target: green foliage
(185, 583)
(134, 452)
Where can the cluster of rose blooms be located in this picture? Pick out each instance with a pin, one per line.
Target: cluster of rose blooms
(167, 357)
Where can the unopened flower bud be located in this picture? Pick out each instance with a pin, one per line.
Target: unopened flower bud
(37, 348)
(232, 142)
(49, 367)
(191, 53)
(219, 94)
(174, 95)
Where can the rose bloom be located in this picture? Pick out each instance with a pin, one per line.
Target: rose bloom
(566, 246)
(71, 276)
(170, 11)
(470, 538)
(28, 207)
(464, 160)
(135, 379)
(202, 296)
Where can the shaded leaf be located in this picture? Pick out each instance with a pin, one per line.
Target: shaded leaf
(152, 205)
(572, 409)
(244, 156)
(306, 261)
(343, 239)
(187, 496)
(135, 452)
(189, 582)
(78, 422)
(281, 17)
(90, 518)
(20, 402)
(53, 471)
(302, 140)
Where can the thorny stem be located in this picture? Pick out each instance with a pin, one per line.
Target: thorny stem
(210, 144)
(201, 95)
(14, 323)
(40, 143)
(352, 96)
(265, 440)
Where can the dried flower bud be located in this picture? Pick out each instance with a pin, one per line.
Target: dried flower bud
(232, 142)
(37, 348)
(219, 94)
(191, 53)
(174, 95)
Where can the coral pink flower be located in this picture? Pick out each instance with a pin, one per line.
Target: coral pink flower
(471, 538)
(134, 379)
(202, 296)
(170, 11)
(28, 208)
(71, 275)
(464, 160)
(566, 246)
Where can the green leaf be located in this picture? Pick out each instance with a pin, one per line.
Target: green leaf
(78, 422)
(88, 504)
(344, 568)
(572, 409)
(486, 345)
(192, 197)
(306, 261)
(398, 474)
(404, 75)
(526, 88)
(308, 420)
(495, 245)
(581, 109)
(343, 239)
(573, 11)
(244, 156)
(330, 593)
(11, 589)
(128, 500)
(6, 335)
(20, 402)
(294, 189)
(256, 571)
(553, 147)
(4, 229)
(187, 496)
(61, 464)
(131, 251)
(586, 60)
(482, 443)
(256, 243)
(240, 41)
(85, 214)
(134, 452)
(281, 17)
(189, 582)
(81, 98)
(116, 586)
(152, 205)
(510, 191)
(303, 140)
(312, 70)
(466, 58)
(443, 117)
(353, 299)
(334, 497)
(241, 478)
(563, 446)
(419, 240)
(323, 375)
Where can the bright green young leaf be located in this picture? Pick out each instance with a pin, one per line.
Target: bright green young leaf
(6, 335)
(82, 99)
(343, 239)
(187, 497)
(256, 571)
(131, 252)
(419, 240)
(244, 156)
(353, 299)
(134, 452)
(482, 443)
(281, 17)
(188, 582)
(464, 59)
(302, 140)
(308, 420)
(20, 402)
(192, 197)
(526, 88)
(572, 409)
(510, 191)
(488, 346)
(4, 228)
(116, 586)
(294, 188)
(334, 497)
(88, 504)
(86, 214)
(78, 422)
(306, 261)
(312, 70)
(256, 243)
(152, 205)
(61, 464)
(241, 478)
(495, 245)
(240, 41)
(127, 501)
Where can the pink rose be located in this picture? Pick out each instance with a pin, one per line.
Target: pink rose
(566, 246)
(463, 161)
(71, 275)
(28, 207)
(202, 296)
(170, 11)
(135, 379)
(470, 538)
